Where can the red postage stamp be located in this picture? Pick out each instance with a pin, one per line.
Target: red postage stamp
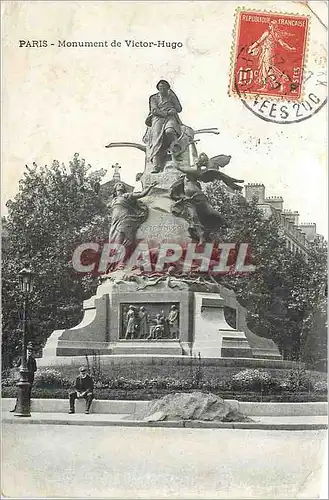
(269, 54)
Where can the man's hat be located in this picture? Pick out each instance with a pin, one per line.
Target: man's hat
(82, 369)
(30, 346)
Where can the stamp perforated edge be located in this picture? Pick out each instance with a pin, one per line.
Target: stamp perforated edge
(238, 95)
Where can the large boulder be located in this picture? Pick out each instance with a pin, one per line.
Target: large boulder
(191, 406)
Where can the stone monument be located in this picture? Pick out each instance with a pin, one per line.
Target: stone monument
(164, 310)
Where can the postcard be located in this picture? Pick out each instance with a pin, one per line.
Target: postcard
(164, 249)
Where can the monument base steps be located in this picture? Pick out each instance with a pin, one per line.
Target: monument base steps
(169, 347)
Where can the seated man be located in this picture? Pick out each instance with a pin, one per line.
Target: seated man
(157, 331)
(84, 386)
(163, 124)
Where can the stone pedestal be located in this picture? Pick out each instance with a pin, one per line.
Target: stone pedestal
(161, 225)
(261, 347)
(154, 348)
(213, 336)
(102, 329)
(202, 325)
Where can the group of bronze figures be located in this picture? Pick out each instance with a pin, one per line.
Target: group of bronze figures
(138, 324)
(166, 141)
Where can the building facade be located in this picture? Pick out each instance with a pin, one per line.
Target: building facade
(298, 236)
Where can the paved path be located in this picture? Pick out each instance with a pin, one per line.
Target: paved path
(123, 462)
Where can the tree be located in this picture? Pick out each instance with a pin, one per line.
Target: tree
(283, 294)
(55, 210)
(314, 332)
(58, 208)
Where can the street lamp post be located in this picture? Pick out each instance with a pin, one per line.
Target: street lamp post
(23, 397)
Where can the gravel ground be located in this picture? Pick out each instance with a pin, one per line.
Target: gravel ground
(122, 462)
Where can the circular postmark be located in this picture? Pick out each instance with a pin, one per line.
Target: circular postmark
(286, 111)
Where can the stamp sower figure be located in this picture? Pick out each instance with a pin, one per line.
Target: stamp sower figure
(264, 47)
(163, 122)
(32, 368)
(84, 388)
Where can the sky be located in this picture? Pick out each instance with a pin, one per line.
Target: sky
(58, 101)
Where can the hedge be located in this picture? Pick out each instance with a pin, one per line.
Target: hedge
(149, 394)
(249, 384)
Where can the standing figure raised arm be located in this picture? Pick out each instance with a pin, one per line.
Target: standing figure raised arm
(127, 214)
(163, 124)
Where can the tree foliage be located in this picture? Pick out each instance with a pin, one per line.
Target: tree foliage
(285, 295)
(56, 209)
